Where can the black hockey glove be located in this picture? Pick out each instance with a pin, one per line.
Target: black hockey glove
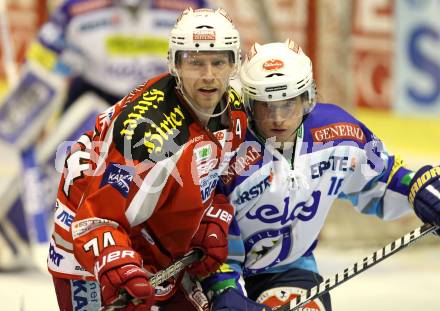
(424, 194)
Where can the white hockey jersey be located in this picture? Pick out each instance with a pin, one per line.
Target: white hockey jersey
(281, 202)
(112, 47)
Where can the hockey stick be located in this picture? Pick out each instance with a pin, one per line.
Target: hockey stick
(357, 268)
(160, 277)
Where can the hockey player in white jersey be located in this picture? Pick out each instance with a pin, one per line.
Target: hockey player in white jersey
(298, 159)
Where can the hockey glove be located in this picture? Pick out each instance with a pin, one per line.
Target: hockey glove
(424, 194)
(225, 277)
(212, 237)
(232, 299)
(119, 268)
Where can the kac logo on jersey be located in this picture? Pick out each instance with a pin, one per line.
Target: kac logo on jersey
(268, 213)
(119, 177)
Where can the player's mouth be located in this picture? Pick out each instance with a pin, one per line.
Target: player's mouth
(207, 91)
(278, 131)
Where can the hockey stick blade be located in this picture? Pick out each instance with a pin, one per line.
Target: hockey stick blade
(124, 298)
(357, 268)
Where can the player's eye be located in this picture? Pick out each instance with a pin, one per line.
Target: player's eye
(195, 62)
(219, 63)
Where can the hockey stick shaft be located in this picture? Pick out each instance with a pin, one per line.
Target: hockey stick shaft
(161, 276)
(357, 268)
(176, 267)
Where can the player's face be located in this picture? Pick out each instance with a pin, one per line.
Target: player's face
(279, 119)
(205, 77)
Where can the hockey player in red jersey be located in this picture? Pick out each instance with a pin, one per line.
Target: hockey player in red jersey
(86, 57)
(138, 192)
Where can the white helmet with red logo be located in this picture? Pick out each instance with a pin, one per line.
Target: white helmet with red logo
(203, 30)
(277, 71)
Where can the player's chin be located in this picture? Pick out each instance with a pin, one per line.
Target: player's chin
(209, 101)
(285, 137)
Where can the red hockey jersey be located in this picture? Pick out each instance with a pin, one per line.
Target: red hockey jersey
(143, 179)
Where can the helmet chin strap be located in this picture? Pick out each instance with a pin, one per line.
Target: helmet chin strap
(194, 107)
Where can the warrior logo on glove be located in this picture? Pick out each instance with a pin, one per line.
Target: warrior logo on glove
(422, 181)
(424, 195)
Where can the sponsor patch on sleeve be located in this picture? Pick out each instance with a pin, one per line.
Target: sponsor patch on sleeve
(119, 177)
(63, 216)
(82, 227)
(64, 262)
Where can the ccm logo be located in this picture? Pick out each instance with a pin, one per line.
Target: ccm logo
(112, 257)
(219, 213)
